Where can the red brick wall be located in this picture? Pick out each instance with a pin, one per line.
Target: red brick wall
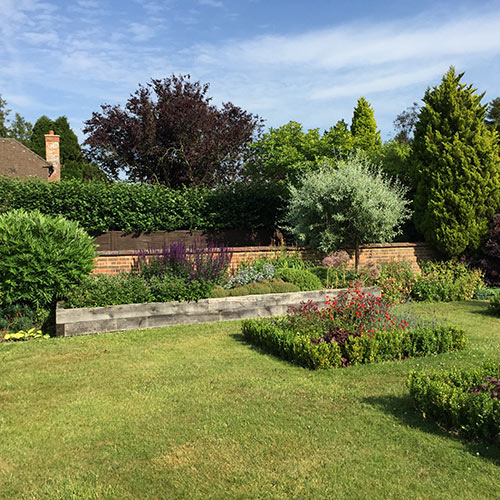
(115, 261)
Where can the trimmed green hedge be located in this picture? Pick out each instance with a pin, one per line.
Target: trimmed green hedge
(445, 396)
(101, 207)
(302, 278)
(381, 346)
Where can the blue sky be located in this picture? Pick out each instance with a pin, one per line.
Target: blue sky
(282, 59)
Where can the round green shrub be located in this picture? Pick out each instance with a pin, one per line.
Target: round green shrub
(280, 286)
(304, 279)
(259, 288)
(41, 257)
(218, 292)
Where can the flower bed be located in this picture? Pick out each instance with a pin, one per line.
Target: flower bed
(356, 327)
(465, 401)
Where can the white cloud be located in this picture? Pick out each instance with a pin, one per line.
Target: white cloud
(211, 3)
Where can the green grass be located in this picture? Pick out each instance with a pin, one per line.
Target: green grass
(194, 412)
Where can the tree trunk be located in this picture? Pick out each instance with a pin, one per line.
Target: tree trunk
(356, 257)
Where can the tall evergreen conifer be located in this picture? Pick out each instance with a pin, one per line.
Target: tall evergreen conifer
(456, 167)
(364, 127)
(41, 127)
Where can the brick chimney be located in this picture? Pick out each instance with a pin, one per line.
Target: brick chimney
(52, 155)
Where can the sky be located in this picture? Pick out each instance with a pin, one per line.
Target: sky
(307, 61)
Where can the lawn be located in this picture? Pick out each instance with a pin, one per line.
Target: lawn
(194, 412)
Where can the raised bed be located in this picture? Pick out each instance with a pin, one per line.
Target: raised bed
(85, 321)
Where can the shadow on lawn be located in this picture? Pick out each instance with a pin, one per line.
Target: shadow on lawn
(480, 307)
(402, 408)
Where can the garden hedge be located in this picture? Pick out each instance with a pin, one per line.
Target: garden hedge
(460, 400)
(381, 346)
(119, 206)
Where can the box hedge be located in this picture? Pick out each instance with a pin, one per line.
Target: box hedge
(452, 400)
(380, 346)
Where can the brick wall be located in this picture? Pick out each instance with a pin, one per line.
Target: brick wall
(115, 261)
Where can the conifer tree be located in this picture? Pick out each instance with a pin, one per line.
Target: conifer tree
(42, 126)
(364, 127)
(456, 167)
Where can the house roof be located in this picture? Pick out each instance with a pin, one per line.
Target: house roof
(16, 160)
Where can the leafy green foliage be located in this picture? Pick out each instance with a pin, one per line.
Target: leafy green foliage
(494, 305)
(449, 398)
(283, 154)
(347, 203)
(32, 333)
(302, 278)
(290, 346)
(15, 317)
(446, 281)
(493, 116)
(364, 127)
(37, 142)
(129, 288)
(41, 257)
(396, 281)
(456, 167)
(100, 207)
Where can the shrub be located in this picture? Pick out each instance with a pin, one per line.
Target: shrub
(16, 317)
(352, 328)
(129, 288)
(396, 281)
(456, 401)
(273, 286)
(349, 202)
(290, 346)
(100, 207)
(494, 305)
(251, 274)
(446, 281)
(41, 257)
(304, 279)
(280, 286)
(196, 262)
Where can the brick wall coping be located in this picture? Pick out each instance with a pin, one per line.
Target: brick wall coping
(110, 253)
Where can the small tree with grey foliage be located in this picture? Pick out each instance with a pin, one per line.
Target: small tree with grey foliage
(347, 203)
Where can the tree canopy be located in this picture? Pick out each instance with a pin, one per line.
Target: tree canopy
(364, 127)
(456, 167)
(169, 132)
(349, 203)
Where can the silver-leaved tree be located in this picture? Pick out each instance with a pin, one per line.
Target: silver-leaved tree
(349, 202)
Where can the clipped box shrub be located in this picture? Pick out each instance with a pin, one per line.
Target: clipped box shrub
(41, 257)
(357, 349)
(355, 325)
(464, 401)
(289, 345)
(302, 278)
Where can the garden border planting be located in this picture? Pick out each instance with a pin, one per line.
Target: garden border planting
(84, 321)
